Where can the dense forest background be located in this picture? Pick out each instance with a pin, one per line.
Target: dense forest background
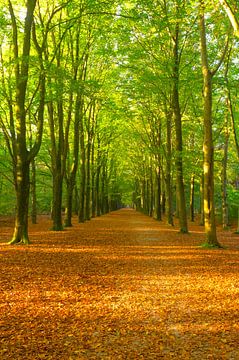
(111, 103)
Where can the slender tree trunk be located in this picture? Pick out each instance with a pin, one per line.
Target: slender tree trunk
(88, 181)
(78, 120)
(144, 196)
(202, 200)
(192, 194)
(93, 195)
(151, 193)
(208, 151)
(168, 178)
(71, 178)
(225, 217)
(57, 201)
(136, 195)
(102, 193)
(33, 193)
(57, 165)
(104, 190)
(97, 178)
(237, 231)
(76, 200)
(147, 201)
(158, 206)
(81, 215)
(97, 191)
(163, 202)
(181, 203)
(69, 202)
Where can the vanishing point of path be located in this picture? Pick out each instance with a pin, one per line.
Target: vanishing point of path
(122, 286)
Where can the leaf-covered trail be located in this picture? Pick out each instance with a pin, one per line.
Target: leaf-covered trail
(122, 286)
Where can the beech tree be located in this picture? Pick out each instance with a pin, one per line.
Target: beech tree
(14, 126)
(208, 153)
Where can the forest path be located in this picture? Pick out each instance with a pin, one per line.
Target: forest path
(122, 286)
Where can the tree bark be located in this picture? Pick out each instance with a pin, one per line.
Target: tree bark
(57, 201)
(208, 150)
(225, 216)
(93, 197)
(88, 179)
(168, 177)
(181, 203)
(71, 177)
(81, 215)
(158, 206)
(57, 143)
(97, 178)
(33, 193)
(202, 200)
(22, 188)
(151, 192)
(231, 15)
(21, 156)
(192, 193)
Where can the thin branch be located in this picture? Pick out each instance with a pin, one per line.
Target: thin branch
(231, 15)
(213, 72)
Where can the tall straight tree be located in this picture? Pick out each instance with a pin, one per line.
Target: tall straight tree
(181, 203)
(208, 151)
(20, 113)
(60, 109)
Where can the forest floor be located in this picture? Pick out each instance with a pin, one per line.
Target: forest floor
(122, 286)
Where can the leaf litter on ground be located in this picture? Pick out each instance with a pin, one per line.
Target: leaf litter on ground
(122, 286)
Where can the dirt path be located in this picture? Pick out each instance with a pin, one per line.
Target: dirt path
(121, 286)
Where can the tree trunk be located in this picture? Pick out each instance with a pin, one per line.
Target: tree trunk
(168, 178)
(81, 215)
(192, 193)
(57, 165)
(22, 188)
(57, 202)
(181, 203)
(33, 193)
(71, 176)
(93, 197)
(97, 179)
(20, 155)
(69, 202)
(151, 193)
(158, 207)
(208, 151)
(147, 197)
(163, 202)
(225, 217)
(143, 195)
(104, 193)
(201, 200)
(88, 181)
(76, 200)
(97, 191)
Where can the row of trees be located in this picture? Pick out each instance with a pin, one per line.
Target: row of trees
(101, 98)
(53, 89)
(190, 80)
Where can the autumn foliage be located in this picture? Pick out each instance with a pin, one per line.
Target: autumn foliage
(123, 286)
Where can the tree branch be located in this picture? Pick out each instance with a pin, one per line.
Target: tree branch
(231, 15)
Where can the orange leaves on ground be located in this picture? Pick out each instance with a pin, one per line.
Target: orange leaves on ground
(120, 287)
